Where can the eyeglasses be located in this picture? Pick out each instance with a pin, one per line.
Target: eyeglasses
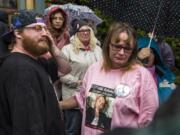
(118, 47)
(84, 30)
(38, 28)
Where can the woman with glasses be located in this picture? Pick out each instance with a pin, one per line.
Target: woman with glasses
(81, 53)
(129, 87)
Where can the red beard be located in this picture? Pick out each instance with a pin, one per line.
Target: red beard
(36, 48)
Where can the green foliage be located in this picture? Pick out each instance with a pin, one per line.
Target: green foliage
(175, 44)
(103, 27)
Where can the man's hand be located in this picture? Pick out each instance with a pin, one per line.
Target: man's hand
(63, 64)
(51, 41)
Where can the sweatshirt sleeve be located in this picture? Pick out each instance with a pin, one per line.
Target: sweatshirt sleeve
(81, 94)
(148, 98)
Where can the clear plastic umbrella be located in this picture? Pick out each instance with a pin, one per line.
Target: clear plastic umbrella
(78, 12)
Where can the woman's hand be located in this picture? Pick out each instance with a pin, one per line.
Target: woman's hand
(144, 53)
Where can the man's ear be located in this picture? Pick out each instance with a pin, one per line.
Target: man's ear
(17, 34)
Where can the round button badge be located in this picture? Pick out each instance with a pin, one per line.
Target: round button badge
(122, 90)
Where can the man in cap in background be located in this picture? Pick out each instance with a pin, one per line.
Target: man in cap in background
(28, 104)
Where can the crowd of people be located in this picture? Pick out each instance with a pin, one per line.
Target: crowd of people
(58, 79)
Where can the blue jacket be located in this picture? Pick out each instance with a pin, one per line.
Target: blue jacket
(165, 77)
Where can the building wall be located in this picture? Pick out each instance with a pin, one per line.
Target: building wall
(39, 5)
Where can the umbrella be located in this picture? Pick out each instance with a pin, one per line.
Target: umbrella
(173, 22)
(162, 16)
(78, 12)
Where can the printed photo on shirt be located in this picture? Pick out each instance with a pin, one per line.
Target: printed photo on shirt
(99, 103)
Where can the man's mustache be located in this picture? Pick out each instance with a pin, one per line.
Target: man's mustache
(44, 39)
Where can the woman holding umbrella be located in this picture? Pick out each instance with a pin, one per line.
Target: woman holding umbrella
(151, 58)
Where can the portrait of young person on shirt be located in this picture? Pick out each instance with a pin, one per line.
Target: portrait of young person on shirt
(97, 111)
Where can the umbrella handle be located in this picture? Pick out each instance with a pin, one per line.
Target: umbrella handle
(155, 23)
(151, 38)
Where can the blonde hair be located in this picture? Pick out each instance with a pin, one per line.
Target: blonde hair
(77, 44)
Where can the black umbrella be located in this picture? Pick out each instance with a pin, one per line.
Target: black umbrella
(162, 16)
(173, 22)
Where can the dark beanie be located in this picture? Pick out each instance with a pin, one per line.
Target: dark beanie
(76, 24)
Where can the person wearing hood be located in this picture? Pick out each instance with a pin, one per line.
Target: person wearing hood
(56, 22)
(165, 50)
(81, 53)
(151, 58)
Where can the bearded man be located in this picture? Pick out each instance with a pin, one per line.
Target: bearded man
(28, 104)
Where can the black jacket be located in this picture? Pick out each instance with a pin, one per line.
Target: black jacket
(28, 105)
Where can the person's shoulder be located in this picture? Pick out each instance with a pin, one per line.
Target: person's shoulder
(15, 66)
(141, 69)
(98, 48)
(18, 61)
(67, 47)
(96, 65)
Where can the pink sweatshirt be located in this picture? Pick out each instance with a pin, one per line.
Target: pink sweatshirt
(132, 104)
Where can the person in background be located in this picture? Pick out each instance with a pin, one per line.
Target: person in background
(3, 29)
(3, 43)
(166, 51)
(3, 17)
(129, 87)
(87, 21)
(81, 53)
(28, 104)
(56, 21)
(151, 58)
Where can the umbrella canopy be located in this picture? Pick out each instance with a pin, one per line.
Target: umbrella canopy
(78, 12)
(173, 21)
(164, 15)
